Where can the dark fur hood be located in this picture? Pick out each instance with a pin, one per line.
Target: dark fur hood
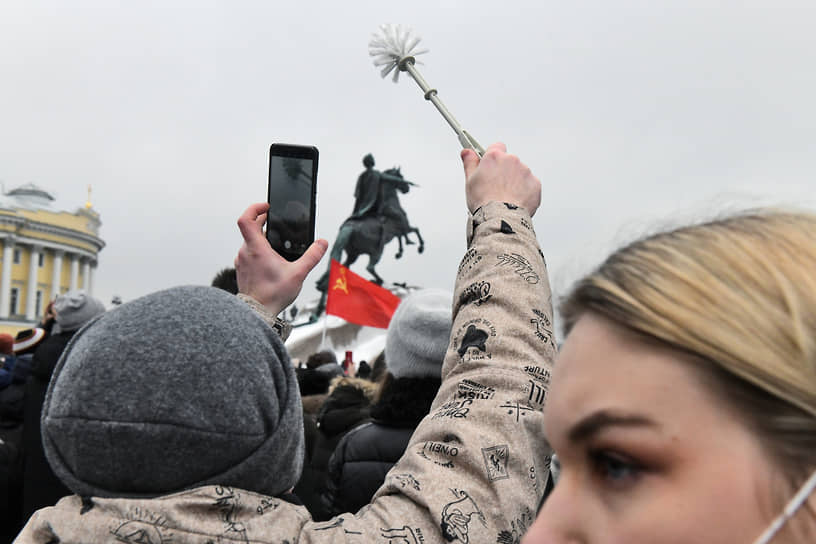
(348, 403)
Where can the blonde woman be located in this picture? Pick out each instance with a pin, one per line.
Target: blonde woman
(683, 403)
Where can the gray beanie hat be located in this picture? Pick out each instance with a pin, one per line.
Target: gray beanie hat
(178, 389)
(418, 334)
(75, 308)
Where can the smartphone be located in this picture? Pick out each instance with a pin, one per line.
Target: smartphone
(290, 222)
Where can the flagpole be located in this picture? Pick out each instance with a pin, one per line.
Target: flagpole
(325, 326)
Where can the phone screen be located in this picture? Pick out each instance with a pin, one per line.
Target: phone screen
(292, 189)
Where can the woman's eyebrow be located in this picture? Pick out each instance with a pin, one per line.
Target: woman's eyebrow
(595, 422)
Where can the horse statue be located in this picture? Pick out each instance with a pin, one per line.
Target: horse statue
(369, 233)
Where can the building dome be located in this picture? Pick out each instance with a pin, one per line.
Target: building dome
(29, 196)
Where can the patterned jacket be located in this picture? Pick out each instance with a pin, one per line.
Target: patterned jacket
(475, 469)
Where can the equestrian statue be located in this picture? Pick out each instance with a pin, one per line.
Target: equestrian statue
(377, 219)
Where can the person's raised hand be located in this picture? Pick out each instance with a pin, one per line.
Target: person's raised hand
(262, 273)
(499, 177)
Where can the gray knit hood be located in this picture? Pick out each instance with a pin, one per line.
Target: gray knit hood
(178, 389)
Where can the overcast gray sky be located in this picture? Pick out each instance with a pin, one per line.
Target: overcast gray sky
(633, 114)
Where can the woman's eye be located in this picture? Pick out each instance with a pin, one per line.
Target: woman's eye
(615, 468)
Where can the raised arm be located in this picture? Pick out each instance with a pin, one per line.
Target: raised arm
(476, 467)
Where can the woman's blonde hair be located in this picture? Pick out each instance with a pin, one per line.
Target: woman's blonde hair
(740, 295)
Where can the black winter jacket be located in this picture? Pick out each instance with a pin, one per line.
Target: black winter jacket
(365, 454)
(347, 405)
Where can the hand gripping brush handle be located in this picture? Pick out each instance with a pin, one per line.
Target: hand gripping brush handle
(394, 49)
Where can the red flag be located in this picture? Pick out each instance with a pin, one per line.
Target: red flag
(358, 300)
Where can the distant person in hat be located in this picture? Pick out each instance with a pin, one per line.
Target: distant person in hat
(41, 487)
(17, 357)
(16, 354)
(12, 394)
(13, 376)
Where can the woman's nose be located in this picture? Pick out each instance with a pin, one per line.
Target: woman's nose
(557, 521)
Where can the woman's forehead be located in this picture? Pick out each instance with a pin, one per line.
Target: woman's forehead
(604, 367)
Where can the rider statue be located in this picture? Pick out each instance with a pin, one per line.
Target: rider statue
(367, 189)
(370, 199)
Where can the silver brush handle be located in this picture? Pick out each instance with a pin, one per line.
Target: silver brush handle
(467, 141)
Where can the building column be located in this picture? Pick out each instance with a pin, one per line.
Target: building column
(5, 280)
(91, 271)
(74, 271)
(86, 275)
(31, 295)
(56, 276)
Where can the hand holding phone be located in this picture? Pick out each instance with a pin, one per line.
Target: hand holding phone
(265, 275)
(290, 222)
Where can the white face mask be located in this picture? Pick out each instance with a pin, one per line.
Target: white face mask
(790, 509)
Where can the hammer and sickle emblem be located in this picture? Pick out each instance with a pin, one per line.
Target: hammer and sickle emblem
(341, 282)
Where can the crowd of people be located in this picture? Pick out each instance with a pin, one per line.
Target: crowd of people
(27, 482)
(681, 406)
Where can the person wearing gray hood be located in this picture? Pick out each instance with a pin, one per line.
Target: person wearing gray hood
(177, 417)
(188, 372)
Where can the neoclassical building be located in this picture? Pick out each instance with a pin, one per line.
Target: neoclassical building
(46, 252)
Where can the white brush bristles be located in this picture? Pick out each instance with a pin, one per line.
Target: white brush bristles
(390, 46)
